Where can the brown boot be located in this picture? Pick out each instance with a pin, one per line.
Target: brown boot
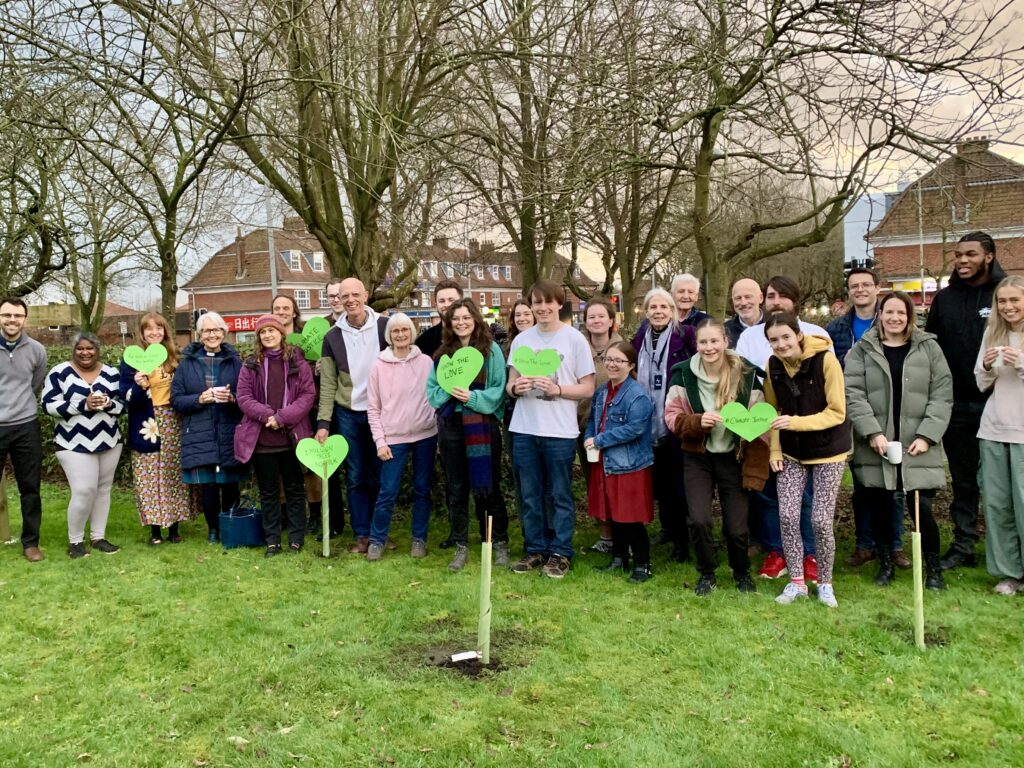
(361, 545)
(34, 554)
(859, 557)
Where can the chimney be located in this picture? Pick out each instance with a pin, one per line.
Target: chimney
(441, 242)
(474, 248)
(973, 146)
(239, 254)
(486, 246)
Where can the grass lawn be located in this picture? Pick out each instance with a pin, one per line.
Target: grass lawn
(190, 655)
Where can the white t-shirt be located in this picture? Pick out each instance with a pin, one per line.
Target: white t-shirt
(552, 416)
(753, 344)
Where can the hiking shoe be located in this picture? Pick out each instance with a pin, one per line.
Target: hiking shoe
(957, 559)
(77, 550)
(827, 596)
(360, 545)
(459, 560)
(641, 573)
(418, 549)
(273, 550)
(705, 586)
(294, 548)
(528, 563)
(104, 546)
(774, 566)
(791, 594)
(375, 551)
(900, 559)
(745, 584)
(603, 546)
(556, 567)
(811, 568)
(501, 553)
(859, 557)
(1008, 587)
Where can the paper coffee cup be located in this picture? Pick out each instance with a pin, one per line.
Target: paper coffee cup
(593, 454)
(894, 452)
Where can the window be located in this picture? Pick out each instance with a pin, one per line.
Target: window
(449, 270)
(399, 266)
(508, 272)
(494, 271)
(323, 298)
(318, 261)
(302, 297)
(431, 268)
(483, 299)
(961, 213)
(424, 299)
(495, 299)
(576, 271)
(294, 260)
(478, 271)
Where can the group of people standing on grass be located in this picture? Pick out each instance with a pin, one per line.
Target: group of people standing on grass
(643, 417)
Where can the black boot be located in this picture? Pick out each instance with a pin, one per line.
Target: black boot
(641, 573)
(886, 568)
(933, 572)
(617, 564)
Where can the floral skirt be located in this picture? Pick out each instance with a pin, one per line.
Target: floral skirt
(160, 495)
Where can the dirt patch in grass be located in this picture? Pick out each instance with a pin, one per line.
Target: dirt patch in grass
(935, 636)
(509, 648)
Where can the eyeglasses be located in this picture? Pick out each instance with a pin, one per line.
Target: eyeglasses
(616, 361)
(212, 331)
(9, 316)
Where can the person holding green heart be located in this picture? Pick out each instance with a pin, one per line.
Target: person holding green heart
(469, 432)
(154, 436)
(715, 458)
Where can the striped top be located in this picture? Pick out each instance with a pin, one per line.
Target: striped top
(77, 429)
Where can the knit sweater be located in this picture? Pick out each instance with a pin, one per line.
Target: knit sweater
(22, 371)
(78, 429)
(1003, 417)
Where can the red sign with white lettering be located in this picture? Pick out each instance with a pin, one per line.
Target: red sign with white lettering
(242, 322)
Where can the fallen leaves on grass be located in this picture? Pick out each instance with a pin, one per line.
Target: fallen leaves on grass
(238, 743)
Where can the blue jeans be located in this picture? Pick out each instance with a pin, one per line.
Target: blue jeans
(863, 532)
(546, 463)
(422, 452)
(771, 530)
(362, 467)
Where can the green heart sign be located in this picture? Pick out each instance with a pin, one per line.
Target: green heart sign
(311, 340)
(535, 362)
(460, 369)
(145, 360)
(751, 424)
(315, 456)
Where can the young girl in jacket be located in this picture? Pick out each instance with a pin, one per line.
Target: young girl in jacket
(811, 435)
(402, 424)
(1000, 368)
(700, 387)
(621, 488)
(469, 433)
(275, 394)
(898, 388)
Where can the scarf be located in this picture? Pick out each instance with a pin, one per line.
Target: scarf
(654, 362)
(476, 429)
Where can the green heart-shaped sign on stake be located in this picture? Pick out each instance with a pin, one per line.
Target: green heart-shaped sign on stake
(324, 459)
(535, 362)
(460, 369)
(311, 340)
(145, 360)
(751, 424)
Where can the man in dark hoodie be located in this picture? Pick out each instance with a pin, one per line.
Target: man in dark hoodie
(958, 316)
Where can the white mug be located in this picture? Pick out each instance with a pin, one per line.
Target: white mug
(593, 454)
(894, 452)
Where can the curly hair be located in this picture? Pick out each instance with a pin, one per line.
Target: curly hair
(481, 337)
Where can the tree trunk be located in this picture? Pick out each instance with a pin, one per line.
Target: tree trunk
(717, 278)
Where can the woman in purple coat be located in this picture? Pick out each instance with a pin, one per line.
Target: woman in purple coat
(275, 393)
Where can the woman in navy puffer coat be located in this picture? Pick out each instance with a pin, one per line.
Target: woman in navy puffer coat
(203, 391)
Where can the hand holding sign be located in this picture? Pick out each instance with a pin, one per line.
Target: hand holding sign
(145, 360)
(535, 362)
(459, 370)
(751, 424)
(311, 340)
(324, 459)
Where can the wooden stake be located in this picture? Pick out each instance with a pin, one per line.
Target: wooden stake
(915, 543)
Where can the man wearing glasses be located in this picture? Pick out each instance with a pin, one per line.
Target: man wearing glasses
(22, 371)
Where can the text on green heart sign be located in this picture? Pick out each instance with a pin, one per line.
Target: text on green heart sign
(324, 459)
(460, 369)
(751, 424)
(535, 362)
(311, 340)
(145, 360)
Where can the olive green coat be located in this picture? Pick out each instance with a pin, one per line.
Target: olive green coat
(924, 412)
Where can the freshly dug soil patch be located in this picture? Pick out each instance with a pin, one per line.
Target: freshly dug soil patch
(441, 657)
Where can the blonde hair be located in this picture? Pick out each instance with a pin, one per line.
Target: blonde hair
(732, 372)
(997, 330)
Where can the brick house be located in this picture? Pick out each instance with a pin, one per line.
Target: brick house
(235, 281)
(975, 189)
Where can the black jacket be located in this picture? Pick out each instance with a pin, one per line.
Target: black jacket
(958, 316)
(208, 434)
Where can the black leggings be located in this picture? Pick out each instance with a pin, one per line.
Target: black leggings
(627, 536)
(217, 498)
(882, 508)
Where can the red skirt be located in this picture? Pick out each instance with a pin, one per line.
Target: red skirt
(627, 498)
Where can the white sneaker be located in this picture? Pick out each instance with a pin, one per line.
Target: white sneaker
(827, 596)
(791, 594)
(1009, 587)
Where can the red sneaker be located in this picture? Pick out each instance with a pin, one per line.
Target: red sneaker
(774, 566)
(811, 569)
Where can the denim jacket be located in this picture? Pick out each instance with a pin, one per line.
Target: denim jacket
(625, 442)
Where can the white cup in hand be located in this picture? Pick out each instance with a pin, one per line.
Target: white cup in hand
(894, 452)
